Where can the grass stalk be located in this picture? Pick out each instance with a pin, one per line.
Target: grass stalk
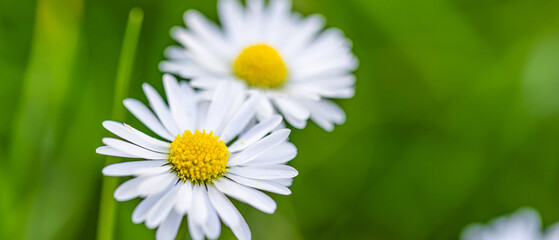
(107, 208)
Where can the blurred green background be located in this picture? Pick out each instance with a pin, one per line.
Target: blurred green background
(455, 120)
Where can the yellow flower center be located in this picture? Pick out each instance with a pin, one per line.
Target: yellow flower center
(198, 157)
(260, 66)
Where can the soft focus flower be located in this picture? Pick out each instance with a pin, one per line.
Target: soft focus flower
(197, 164)
(524, 224)
(283, 55)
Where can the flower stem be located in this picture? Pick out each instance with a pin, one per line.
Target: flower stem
(107, 208)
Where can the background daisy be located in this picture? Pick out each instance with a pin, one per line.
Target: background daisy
(199, 162)
(524, 224)
(289, 58)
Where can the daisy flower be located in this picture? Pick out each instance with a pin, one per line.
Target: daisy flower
(287, 57)
(209, 150)
(524, 224)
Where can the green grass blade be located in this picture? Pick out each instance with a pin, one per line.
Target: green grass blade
(105, 225)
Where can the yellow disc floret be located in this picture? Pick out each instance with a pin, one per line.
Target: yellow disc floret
(260, 66)
(199, 157)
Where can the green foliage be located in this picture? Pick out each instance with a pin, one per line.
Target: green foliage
(455, 120)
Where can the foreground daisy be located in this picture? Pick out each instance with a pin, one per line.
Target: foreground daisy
(524, 224)
(190, 172)
(270, 49)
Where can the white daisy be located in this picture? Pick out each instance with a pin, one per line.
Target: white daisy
(524, 224)
(207, 152)
(270, 49)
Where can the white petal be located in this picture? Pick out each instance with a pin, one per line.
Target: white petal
(241, 118)
(254, 21)
(132, 149)
(322, 121)
(250, 124)
(283, 181)
(139, 214)
(297, 92)
(187, 91)
(228, 213)
(260, 146)
(260, 184)
(205, 82)
(174, 52)
(293, 112)
(238, 97)
(226, 99)
(145, 116)
(218, 107)
(132, 135)
(331, 82)
(265, 171)
(277, 15)
(305, 32)
(322, 91)
(332, 87)
(169, 227)
(161, 209)
(255, 133)
(135, 168)
(291, 107)
(212, 228)
(184, 198)
(232, 18)
(156, 184)
(194, 228)
(183, 68)
(325, 113)
(342, 93)
(128, 190)
(200, 51)
(247, 195)
(200, 204)
(341, 65)
(265, 110)
(161, 109)
(207, 94)
(207, 31)
(552, 232)
(226, 210)
(191, 104)
(333, 110)
(203, 107)
(328, 44)
(280, 126)
(177, 104)
(295, 122)
(525, 223)
(280, 154)
(109, 151)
